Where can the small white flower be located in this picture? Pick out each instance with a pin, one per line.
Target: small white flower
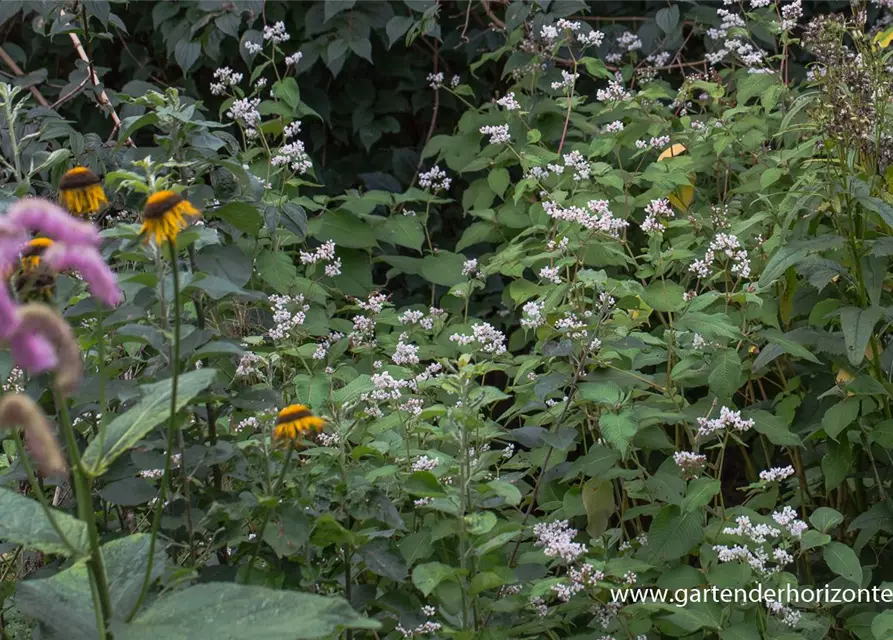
(508, 102)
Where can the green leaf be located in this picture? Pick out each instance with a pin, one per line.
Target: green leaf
(427, 576)
(423, 483)
(825, 518)
(725, 373)
(405, 231)
(791, 253)
(241, 215)
(699, 493)
(741, 631)
(381, 560)
(227, 611)
(618, 429)
(664, 295)
(673, 534)
(882, 626)
(782, 343)
(334, 7)
(598, 501)
(499, 180)
(24, 522)
(858, 327)
(770, 176)
(396, 27)
(287, 90)
(839, 417)
(773, 427)
(129, 492)
(444, 268)
(186, 52)
(127, 429)
(842, 560)
(667, 19)
(277, 270)
(710, 325)
(344, 229)
(506, 490)
(63, 602)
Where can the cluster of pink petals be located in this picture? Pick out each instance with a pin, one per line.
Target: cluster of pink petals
(75, 248)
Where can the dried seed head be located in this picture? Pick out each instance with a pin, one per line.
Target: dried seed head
(18, 410)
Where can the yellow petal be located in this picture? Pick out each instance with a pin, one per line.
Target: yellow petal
(672, 151)
(884, 38)
(682, 197)
(844, 377)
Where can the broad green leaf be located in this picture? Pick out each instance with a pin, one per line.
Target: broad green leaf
(858, 327)
(699, 493)
(710, 325)
(839, 417)
(882, 625)
(444, 269)
(825, 518)
(24, 522)
(427, 576)
(773, 427)
(618, 429)
(842, 560)
(227, 611)
(741, 631)
(598, 500)
(782, 343)
(243, 216)
(127, 429)
(63, 602)
(499, 180)
(725, 373)
(405, 231)
(344, 228)
(277, 270)
(423, 483)
(664, 295)
(791, 253)
(673, 534)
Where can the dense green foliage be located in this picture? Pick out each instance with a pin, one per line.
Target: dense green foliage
(589, 296)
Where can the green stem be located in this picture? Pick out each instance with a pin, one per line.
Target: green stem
(171, 432)
(95, 564)
(267, 511)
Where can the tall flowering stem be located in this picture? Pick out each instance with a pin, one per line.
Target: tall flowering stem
(171, 429)
(263, 525)
(95, 563)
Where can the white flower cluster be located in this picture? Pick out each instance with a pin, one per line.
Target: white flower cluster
(790, 14)
(292, 129)
(499, 133)
(578, 164)
(789, 616)
(759, 533)
(728, 21)
(599, 216)
(605, 613)
(585, 576)
(629, 41)
(155, 474)
(533, 315)
(363, 332)
(557, 540)
(572, 326)
(613, 127)
(415, 316)
(253, 47)
(539, 606)
(567, 80)
(470, 268)
(486, 335)
(691, 464)
(244, 110)
(435, 179)
(729, 246)
(429, 627)
(322, 349)
(286, 320)
(294, 59)
(508, 102)
(15, 381)
(424, 463)
(295, 156)
(657, 142)
(728, 419)
(777, 474)
(435, 80)
(225, 77)
(375, 303)
(614, 92)
(277, 33)
(655, 213)
(248, 365)
(787, 518)
(248, 424)
(405, 353)
(325, 253)
(551, 274)
(591, 38)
